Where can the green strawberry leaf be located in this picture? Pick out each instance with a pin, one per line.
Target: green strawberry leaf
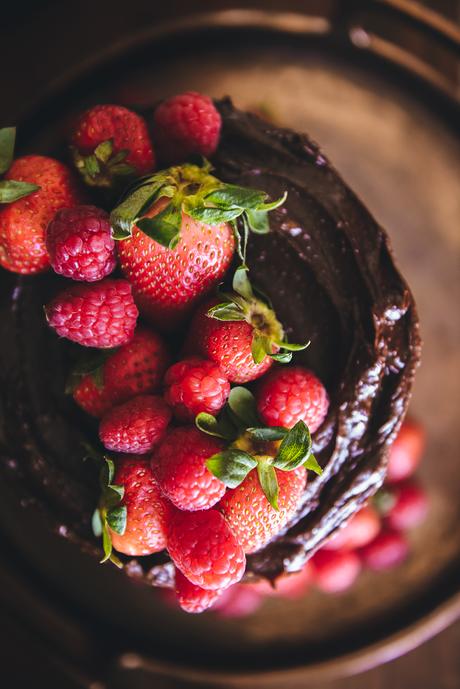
(220, 428)
(268, 482)
(107, 472)
(96, 523)
(106, 541)
(137, 203)
(164, 227)
(271, 206)
(231, 466)
(242, 403)
(116, 519)
(291, 347)
(104, 151)
(211, 216)
(11, 190)
(313, 465)
(226, 312)
(261, 346)
(268, 433)
(241, 283)
(383, 501)
(91, 166)
(231, 195)
(7, 141)
(295, 448)
(282, 357)
(258, 221)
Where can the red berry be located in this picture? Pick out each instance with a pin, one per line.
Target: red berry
(136, 368)
(388, 549)
(167, 283)
(23, 222)
(335, 570)
(204, 548)
(228, 344)
(406, 451)
(126, 129)
(362, 528)
(80, 244)
(240, 600)
(135, 426)
(410, 507)
(179, 465)
(291, 394)
(147, 510)
(192, 598)
(99, 315)
(251, 517)
(186, 124)
(195, 385)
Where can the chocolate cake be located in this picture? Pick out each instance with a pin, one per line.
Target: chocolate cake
(328, 269)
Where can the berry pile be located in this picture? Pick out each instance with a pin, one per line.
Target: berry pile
(204, 468)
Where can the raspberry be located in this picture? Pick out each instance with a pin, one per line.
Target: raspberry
(362, 528)
(205, 550)
(240, 600)
(192, 598)
(335, 570)
(186, 124)
(387, 550)
(180, 467)
(409, 509)
(147, 510)
(290, 585)
(136, 368)
(195, 385)
(288, 395)
(249, 514)
(406, 451)
(135, 426)
(100, 315)
(80, 244)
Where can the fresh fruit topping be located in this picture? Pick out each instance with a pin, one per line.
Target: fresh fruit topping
(203, 547)
(11, 189)
(195, 385)
(362, 528)
(132, 513)
(193, 598)
(100, 315)
(289, 585)
(335, 570)
(403, 506)
(388, 549)
(186, 124)
(80, 243)
(289, 395)
(240, 332)
(135, 426)
(406, 451)
(249, 514)
(177, 233)
(179, 465)
(106, 379)
(34, 188)
(254, 446)
(110, 141)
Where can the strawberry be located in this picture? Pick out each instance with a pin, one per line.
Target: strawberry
(388, 549)
(177, 237)
(240, 600)
(249, 514)
(335, 571)
(403, 506)
(203, 547)
(240, 333)
(135, 426)
(132, 514)
(360, 530)
(406, 451)
(34, 188)
(192, 598)
(110, 141)
(136, 368)
(179, 465)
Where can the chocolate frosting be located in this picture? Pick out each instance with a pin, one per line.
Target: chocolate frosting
(328, 269)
